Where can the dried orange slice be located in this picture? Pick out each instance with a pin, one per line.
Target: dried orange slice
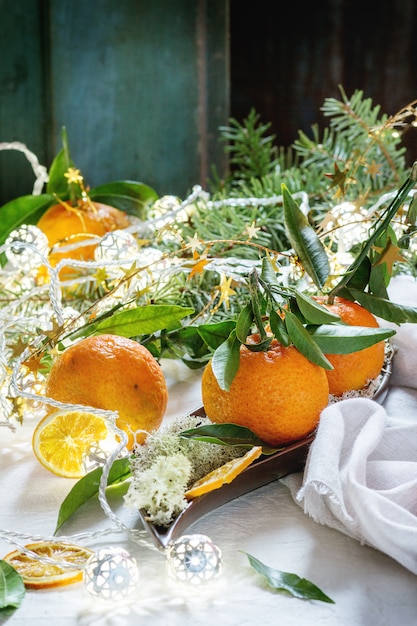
(37, 574)
(223, 474)
(62, 440)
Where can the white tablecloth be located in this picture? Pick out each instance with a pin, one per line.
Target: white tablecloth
(368, 587)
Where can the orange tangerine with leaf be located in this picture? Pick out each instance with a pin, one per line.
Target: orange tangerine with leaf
(351, 372)
(278, 393)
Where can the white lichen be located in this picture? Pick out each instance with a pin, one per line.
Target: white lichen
(166, 465)
(160, 488)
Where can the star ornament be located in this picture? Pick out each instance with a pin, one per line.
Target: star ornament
(74, 176)
(390, 255)
(252, 231)
(226, 290)
(198, 267)
(339, 178)
(194, 243)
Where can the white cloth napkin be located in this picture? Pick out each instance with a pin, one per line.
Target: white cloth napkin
(361, 471)
(361, 478)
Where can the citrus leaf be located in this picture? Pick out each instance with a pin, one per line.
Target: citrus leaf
(267, 272)
(228, 435)
(143, 320)
(88, 487)
(291, 583)
(304, 240)
(259, 346)
(214, 334)
(12, 587)
(379, 280)
(360, 277)
(244, 323)
(304, 342)
(22, 210)
(225, 361)
(57, 183)
(313, 312)
(130, 196)
(387, 310)
(344, 339)
(279, 329)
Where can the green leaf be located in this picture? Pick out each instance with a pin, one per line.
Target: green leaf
(267, 272)
(305, 241)
(143, 320)
(12, 588)
(304, 342)
(225, 361)
(130, 196)
(58, 183)
(215, 334)
(290, 583)
(244, 323)
(22, 210)
(228, 435)
(279, 329)
(387, 310)
(360, 277)
(379, 280)
(88, 487)
(313, 312)
(412, 211)
(344, 339)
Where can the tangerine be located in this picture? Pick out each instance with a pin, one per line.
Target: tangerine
(66, 225)
(353, 371)
(278, 394)
(113, 373)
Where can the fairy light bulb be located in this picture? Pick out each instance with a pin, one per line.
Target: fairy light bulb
(111, 574)
(26, 247)
(194, 559)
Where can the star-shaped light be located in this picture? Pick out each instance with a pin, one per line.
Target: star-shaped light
(252, 230)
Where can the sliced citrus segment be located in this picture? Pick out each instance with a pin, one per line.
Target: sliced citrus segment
(37, 574)
(62, 440)
(223, 474)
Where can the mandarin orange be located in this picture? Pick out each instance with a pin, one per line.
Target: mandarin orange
(112, 373)
(351, 372)
(65, 225)
(279, 394)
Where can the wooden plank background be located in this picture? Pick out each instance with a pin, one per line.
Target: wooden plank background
(143, 85)
(140, 86)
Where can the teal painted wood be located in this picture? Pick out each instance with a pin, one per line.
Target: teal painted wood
(22, 93)
(141, 87)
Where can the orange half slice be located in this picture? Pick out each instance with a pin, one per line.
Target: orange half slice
(223, 474)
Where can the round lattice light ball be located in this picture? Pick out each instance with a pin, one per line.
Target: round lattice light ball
(26, 247)
(116, 245)
(111, 574)
(194, 559)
